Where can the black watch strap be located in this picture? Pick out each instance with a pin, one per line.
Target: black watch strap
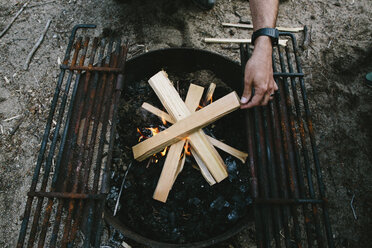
(273, 33)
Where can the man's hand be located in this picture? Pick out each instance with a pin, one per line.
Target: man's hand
(259, 70)
(259, 75)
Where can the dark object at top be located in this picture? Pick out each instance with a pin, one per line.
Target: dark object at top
(273, 33)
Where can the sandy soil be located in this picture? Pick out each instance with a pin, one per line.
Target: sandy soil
(335, 62)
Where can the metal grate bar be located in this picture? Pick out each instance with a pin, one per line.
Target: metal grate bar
(282, 182)
(78, 136)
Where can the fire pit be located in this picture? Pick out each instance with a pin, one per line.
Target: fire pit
(196, 214)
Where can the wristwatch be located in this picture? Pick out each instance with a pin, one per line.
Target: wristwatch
(273, 33)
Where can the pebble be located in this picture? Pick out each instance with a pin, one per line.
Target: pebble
(244, 20)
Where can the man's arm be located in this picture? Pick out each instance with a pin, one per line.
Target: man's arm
(259, 70)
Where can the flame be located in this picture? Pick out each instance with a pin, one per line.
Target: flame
(187, 148)
(164, 151)
(154, 131)
(210, 100)
(142, 136)
(163, 120)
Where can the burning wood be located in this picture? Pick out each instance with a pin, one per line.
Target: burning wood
(187, 126)
(242, 156)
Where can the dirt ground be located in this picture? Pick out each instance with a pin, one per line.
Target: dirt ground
(335, 62)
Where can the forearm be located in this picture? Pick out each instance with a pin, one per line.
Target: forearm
(259, 71)
(264, 13)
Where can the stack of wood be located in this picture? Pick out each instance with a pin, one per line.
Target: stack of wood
(187, 128)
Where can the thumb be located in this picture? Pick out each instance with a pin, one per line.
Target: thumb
(247, 92)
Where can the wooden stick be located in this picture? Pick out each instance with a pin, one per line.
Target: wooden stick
(168, 118)
(231, 150)
(203, 168)
(250, 26)
(172, 166)
(36, 46)
(193, 97)
(228, 40)
(192, 104)
(12, 21)
(168, 172)
(191, 125)
(157, 112)
(180, 165)
(209, 95)
(242, 156)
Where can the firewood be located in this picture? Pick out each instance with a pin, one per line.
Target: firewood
(168, 172)
(192, 103)
(157, 112)
(193, 97)
(180, 165)
(172, 167)
(189, 126)
(250, 26)
(209, 95)
(203, 169)
(242, 156)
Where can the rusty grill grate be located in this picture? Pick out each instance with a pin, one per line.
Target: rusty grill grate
(71, 176)
(289, 195)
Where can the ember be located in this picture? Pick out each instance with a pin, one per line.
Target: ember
(148, 133)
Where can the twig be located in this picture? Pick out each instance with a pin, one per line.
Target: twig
(16, 127)
(305, 44)
(209, 95)
(121, 189)
(250, 26)
(12, 118)
(12, 21)
(352, 207)
(228, 40)
(36, 46)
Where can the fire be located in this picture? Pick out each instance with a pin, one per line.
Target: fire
(141, 135)
(187, 148)
(163, 120)
(164, 151)
(153, 132)
(210, 99)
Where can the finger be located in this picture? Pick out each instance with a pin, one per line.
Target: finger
(247, 92)
(256, 100)
(265, 99)
(275, 85)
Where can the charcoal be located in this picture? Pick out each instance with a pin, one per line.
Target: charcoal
(127, 184)
(232, 168)
(172, 218)
(244, 188)
(233, 215)
(194, 201)
(248, 201)
(219, 203)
